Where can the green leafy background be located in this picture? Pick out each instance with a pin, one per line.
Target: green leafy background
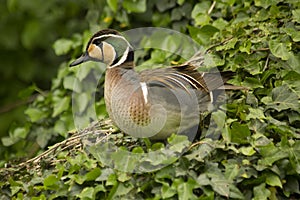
(258, 153)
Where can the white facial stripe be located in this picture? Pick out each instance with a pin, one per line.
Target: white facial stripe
(112, 35)
(125, 54)
(123, 58)
(145, 91)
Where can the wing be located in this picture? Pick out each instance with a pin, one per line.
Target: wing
(183, 77)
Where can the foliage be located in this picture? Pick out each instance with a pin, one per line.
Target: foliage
(27, 30)
(258, 154)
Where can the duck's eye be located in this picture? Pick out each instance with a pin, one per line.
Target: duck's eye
(98, 41)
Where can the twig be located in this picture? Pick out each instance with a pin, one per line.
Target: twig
(198, 143)
(266, 64)
(16, 104)
(220, 43)
(211, 7)
(69, 142)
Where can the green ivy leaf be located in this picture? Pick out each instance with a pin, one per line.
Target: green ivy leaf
(51, 182)
(124, 160)
(255, 113)
(62, 46)
(295, 34)
(261, 192)
(138, 6)
(292, 80)
(252, 82)
(185, 189)
(15, 135)
(261, 3)
(232, 169)
(93, 174)
(273, 180)
(61, 105)
(271, 154)
(200, 8)
(282, 99)
(178, 142)
(35, 114)
(294, 62)
(113, 4)
(228, 45)
(246, 47)
(122, 189)
(239, 133)
(219, 118)
(71, 83)
(87, 193)
(164, 5)
(247, 151)
(296, 15)
(180, 2)
(279, 49)
(203, 34)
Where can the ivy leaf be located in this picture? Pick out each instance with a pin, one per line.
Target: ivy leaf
(295, 34)
(138, 6)
(271, 154)
(35, 114)
(61, 105)
(219, 118)
(51, 182)
(296, 15)
(72, 83)
(180, 2)
(255, 113)
(93, 174)
(261, 192)
(113, 4)
(185, 189)
(292, 80)
(200, 8)
(203, 34)
(246, 47)
(279, 49)
(87, 193)
(125, 161)
(292, 185)
(164, 5)
(282, 99)
(273, 180)
(62, 46)
(247, 151)
(228, 45)
(123, 189)
(294, 62)
(239, 133)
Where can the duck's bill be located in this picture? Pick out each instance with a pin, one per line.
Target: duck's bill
(80, 60)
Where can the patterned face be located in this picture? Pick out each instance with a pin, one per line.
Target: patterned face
(106, 46)
(103, 52)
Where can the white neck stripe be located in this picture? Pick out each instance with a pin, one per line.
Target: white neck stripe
(122, 60)
(125, 54)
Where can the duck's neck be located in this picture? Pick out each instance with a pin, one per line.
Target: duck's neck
(117, 80)
(124, 61)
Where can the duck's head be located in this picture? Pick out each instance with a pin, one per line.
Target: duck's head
(107, 46)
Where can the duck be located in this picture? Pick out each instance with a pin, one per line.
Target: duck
(152, 103)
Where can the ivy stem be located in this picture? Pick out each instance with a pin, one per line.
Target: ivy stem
(211, 7)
